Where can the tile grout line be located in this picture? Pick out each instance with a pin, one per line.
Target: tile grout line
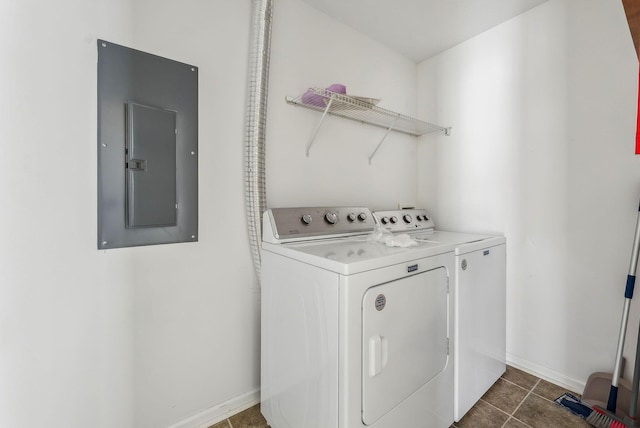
(516, 419)
(520, 386)
(547, 399)
(522, 402)
(497, 408)
(509, 416)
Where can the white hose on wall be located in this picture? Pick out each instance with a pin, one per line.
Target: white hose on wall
(256, 124)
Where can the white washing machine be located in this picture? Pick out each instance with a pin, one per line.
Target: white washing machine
(354, 333)
(480, 302)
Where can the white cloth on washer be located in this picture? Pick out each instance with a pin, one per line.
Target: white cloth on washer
(383, 236)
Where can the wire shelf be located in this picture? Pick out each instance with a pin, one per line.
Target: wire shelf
(355, 109)
(341, 105)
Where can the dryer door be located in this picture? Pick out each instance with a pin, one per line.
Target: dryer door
(404, 339)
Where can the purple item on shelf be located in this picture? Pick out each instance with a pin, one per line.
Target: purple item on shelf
(337, 88)
(313, 99)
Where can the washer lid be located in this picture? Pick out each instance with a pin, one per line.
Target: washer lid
(450, 238)
(351, 255)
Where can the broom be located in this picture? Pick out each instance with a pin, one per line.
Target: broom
(595, 416)
(601, 418)
(606, 418)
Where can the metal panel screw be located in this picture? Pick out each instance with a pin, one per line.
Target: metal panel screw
(193, 153)
(104, 145)
(104, 243)
(193, 236)
(193, 69)
(104, 45)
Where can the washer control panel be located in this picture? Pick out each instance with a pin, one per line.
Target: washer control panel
(295, 224)
(404, 220)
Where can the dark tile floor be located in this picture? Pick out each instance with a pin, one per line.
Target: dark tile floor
(250, 418)
(516, 400)
(520, 400)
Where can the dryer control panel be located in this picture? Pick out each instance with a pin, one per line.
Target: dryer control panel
(404, 220)
(307, 223)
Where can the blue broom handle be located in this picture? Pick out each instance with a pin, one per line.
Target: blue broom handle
(617, 370)
(628, 294)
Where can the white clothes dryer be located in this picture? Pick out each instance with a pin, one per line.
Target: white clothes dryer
(479, 351)
(354, 333)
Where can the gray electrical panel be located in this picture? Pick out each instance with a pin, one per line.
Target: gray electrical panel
(147, 149)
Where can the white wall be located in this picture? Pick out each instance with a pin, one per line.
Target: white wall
(543, 116)
(140, 337)
(603, 175)
(169, 334)
(65, 308)
(196, 306)
(161, 335)
(309, 49)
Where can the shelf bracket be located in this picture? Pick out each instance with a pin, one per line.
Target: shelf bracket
(313, 137)
(382, 141)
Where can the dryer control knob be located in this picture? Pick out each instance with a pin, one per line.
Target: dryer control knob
(351, 217)
(362, 216)
(393, 219)
(306, 219)
(331, 218)
(407, 218)
(384, 220)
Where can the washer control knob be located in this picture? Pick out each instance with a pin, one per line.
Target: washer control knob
(384, 220)
(351, 217)
(419, 217)
(362, 216)
(331, 218)
(306, 219)
(407, 218)
(393, 219)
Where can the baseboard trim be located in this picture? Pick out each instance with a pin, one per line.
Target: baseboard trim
(222, 411)
(545, 373)
(215, 414)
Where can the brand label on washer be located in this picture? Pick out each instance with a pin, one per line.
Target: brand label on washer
(412, 268)
(381, 301)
